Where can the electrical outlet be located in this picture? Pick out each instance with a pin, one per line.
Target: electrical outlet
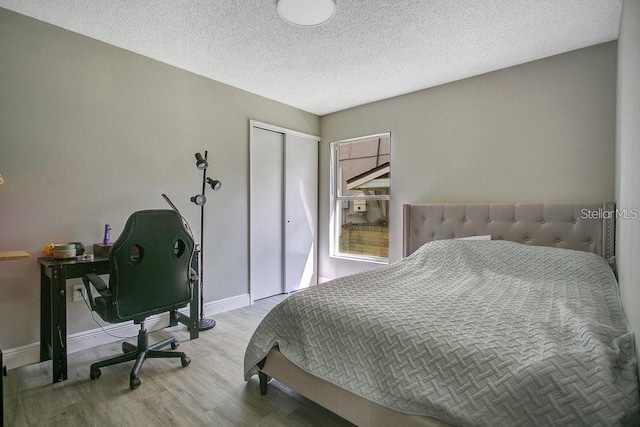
(78, 293)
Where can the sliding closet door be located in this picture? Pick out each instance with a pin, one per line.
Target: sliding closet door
(301, 212)
(283, 205)
(266, 211)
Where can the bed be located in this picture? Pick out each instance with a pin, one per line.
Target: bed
(526, 328)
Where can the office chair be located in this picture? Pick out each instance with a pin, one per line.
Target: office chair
(150, 273)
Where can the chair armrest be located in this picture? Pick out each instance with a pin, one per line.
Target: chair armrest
(99, 284)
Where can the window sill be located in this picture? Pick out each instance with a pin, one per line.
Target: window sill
(369, 259)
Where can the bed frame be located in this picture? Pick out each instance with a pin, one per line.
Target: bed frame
(581, 226)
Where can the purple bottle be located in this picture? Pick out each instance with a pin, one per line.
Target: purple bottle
(107, 235)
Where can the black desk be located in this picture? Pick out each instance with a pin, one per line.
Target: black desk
(53, 308)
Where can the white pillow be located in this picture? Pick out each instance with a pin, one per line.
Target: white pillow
(487, 237)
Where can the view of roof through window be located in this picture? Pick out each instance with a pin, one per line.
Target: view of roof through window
(363, 171)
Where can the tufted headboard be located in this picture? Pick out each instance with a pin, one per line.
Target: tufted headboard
(581, 226)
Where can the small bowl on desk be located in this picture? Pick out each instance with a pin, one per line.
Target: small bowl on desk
(64, 251)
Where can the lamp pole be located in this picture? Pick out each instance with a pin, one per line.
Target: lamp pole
(201, 200)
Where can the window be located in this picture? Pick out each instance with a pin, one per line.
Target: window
(360, 190)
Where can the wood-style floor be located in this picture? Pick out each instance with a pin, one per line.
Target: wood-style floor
(209, 392)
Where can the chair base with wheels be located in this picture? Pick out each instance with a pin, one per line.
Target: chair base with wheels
(140, 353)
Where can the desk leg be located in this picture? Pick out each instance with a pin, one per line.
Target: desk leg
(58, 324)
(192, 321)
(2, 374)
(45, 315)
(194, 329)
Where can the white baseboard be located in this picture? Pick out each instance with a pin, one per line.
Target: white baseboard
(30, 353)
(323, 279)
(227, 304)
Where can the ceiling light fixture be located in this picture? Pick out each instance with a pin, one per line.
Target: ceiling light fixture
(306, 13)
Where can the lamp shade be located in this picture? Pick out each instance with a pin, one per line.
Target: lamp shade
(214, 183)
(199, 199)
(201, 162)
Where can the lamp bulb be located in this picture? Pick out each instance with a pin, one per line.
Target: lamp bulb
(215, 184)
(201, 162)
(199, 199)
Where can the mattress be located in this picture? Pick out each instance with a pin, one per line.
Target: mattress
(471, 333)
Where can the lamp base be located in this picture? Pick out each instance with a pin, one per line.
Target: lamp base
(206, 324)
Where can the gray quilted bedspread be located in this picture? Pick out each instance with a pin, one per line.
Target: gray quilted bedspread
(471, 333)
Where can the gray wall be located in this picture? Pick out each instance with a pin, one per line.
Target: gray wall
(628, 162)
(542, 131)
(90, 133)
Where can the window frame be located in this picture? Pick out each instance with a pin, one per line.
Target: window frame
(335, 200)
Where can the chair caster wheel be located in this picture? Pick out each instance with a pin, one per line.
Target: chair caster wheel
(95, 373)
(174, 345)
(185, 361)
(134, 383)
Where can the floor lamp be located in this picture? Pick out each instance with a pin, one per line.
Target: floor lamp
(201, 200)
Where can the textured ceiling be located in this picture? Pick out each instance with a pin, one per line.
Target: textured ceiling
(369, 50)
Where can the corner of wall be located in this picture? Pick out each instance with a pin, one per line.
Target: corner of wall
(627, 161)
